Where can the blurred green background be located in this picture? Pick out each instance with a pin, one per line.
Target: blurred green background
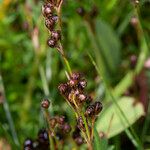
(109, 45)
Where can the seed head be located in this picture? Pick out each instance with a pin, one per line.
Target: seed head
(28, 144)
(47, 10)
(80, 124)
(49, 23)
(61, 119)
(51, 43)
(98, 107)
(75, 76)
(63, 88)
(43, 136)
(66, 128)
(72, 82)
(90, 111)
(79, 140)
(82, 84)
(45, 103)
(82, 97)
(56, 35)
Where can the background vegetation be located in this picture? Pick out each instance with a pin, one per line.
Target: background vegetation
(109, 45)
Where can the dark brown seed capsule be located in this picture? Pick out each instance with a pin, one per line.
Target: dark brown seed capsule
(82, 97)
(54, 18)
(56, 35)
(43, 137)
(89, 111)
(81, 11)
(47, 10)
(63, 88)
(88, 99)
(51, 43)
(80, 124)
(98, 107)
(49, 23)
(82, 84)
(75, 76)
(79, 140)
(45, 103)
(61, 120)
(72, 82)
(66, 128)
(28, 143)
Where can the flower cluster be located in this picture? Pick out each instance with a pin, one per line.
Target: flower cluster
(58, 123)
(41, 142)
(86, 110)
(48, 10)
(73, 92)
(58, 127)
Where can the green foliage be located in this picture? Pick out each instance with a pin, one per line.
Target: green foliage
(111, 122)
(30, 73)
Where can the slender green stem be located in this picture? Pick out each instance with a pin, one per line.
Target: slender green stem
(67, 65)
(44, 81)
(8, 114)
(86, 127)
(108, 90)
(47, 116)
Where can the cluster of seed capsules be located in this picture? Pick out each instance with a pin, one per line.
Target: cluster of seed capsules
(48, 10)
(73, 92)
(59, 127)
(42, 141)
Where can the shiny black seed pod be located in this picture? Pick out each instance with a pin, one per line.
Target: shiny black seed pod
(51, 43)
(56, 35)
(80, 11)
(82, 84)
(90, 111)
(97, 107)
(66, 128)
(43, 137)
(82, 97)
(61, 120)
(72, 82)
(88, 99)
(49, 23)
(63, 88)
(75, 76)
(28, 143)
(47, 10)
(54, 18)
(80, 124)
(45, 103)
(79, 140)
